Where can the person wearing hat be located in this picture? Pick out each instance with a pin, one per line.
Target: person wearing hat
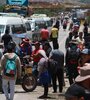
(82, 81)
(35, 57)
(25, 48)
(43, 74)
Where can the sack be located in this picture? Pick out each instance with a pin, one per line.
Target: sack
(10, 67)
(52, 66)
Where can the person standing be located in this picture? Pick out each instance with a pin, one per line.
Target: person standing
(85, 30)
(57, 23)
(71, 61)
(68, 39)
(47, 48)
(9, 75)
(43, 74)
(57, 72)
(44, 34)
(80, 38)
(35, 57)
(54, 37)
(6, 38)
(64, 24)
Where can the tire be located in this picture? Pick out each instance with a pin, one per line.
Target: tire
(29, 82)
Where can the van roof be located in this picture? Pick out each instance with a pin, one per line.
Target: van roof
(9, 14)
(10, 20)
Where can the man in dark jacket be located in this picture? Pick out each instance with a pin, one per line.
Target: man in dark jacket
(6, 38)
(57, 56)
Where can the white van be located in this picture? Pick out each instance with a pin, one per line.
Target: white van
(16, 27)
(37, 24)
(28, 28)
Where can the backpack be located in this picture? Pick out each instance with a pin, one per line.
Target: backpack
(73, 55)
(10, 67)
(52, 66)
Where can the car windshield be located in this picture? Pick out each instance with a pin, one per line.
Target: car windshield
(2, 28)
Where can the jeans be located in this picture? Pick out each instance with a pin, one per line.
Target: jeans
(8, 83)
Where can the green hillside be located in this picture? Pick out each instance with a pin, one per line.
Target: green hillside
(85, 1)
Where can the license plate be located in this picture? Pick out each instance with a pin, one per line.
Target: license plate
(28, 70)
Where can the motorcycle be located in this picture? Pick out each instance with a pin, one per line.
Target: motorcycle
(29, 80)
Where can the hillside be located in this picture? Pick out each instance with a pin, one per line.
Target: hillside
(85, 1)
(63, 1)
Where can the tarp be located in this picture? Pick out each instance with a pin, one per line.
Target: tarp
(17, 2)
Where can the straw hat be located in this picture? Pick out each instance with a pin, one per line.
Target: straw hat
(84, 74)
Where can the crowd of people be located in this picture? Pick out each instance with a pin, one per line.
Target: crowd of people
(48, 62)
(77, 66)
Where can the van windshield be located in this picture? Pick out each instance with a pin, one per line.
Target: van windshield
(40, 24)
(2, 27)
(18, 29)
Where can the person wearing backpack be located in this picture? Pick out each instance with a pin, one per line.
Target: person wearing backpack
(56, 69)
(11, 69)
